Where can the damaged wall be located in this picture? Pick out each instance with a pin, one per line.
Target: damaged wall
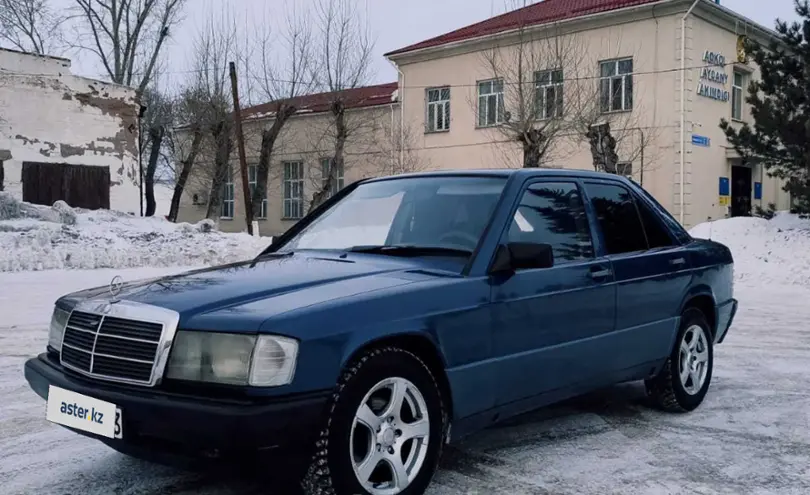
(49, 115)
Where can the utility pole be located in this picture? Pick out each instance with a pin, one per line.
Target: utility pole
(240, 144)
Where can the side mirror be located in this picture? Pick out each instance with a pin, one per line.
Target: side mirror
(522, 255)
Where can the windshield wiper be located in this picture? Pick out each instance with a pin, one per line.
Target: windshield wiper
(411, 250)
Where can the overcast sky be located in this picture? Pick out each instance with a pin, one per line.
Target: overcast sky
(393, 23)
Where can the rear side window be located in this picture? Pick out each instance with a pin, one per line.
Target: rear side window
(553, 213)
(657, 234)
(618, 218)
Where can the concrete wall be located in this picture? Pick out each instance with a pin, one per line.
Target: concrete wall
(371, 150)
(49, 115)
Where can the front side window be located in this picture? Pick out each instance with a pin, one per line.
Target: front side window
(337, 182)
(490, 103)
(553, 213)
(549, 94)
(737, 96)
(616, 85)
(293, 184)
(437, 212)
(438, 109)
(618, 218)
(252, 181)
(226, 209)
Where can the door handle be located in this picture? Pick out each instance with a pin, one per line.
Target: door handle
(677, 261)
(600, 273)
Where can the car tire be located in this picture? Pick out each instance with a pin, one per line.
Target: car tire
(683, 382)
(348, 446)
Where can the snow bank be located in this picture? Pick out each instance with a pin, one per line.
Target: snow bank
(34, 237)
(765, 251)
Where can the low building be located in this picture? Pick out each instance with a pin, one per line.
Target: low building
(66, 137)
(301, 154)
(662, 73)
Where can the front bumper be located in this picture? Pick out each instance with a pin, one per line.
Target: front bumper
(725, 316)
(197, 426)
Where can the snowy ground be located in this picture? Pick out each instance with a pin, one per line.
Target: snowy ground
(36, 237)
(751, 435)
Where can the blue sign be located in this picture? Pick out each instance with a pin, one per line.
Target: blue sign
(701, 141)
(757, 190)
(724, 186)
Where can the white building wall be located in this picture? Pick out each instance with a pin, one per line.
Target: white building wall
(49, 115)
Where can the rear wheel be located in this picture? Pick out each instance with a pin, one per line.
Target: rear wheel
(384, 431)
(683, 382)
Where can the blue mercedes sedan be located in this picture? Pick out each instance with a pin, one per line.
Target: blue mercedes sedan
(405, 313)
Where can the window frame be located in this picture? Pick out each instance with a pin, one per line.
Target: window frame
(228, 185)
(439, 104)
(504, 237)
(500, 110)
(741, 98)
(540, 93)
(293, 181)
(339, 179)
(252, 183)
(610, 79)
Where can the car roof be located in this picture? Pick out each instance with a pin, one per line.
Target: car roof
(506, 173)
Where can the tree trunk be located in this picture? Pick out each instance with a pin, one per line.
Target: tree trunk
(185, 171)
(532, 141)
(269, 137)
(2, 175)
(224, 144)
(156, 139)
(336, 163)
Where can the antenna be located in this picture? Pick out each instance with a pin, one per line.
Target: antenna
(711, 226)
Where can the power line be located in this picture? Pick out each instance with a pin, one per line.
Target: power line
(463, 85)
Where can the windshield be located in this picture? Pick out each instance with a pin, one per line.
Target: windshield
(439, 212)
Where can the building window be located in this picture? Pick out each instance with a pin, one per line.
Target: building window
(337, 183)
(490, 103)
(438, 109)
(252, 181)
(226, 210)
(549, 93)
(737, 96)
(616, 85)
(293, 190)
(625, 169)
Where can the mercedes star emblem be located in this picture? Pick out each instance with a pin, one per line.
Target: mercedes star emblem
(116, 284)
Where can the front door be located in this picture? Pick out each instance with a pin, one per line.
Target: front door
(740, 191)
(550, 322)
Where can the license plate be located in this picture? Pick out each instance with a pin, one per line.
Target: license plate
(84, 413)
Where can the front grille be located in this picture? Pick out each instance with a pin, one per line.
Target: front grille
(111, 347)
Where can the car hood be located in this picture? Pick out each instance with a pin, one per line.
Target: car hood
(240, 296)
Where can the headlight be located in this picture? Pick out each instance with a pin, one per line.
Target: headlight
(233, 359)
(59, 320)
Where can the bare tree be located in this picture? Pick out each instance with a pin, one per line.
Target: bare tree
(527, 98)
(31, 25)
(205, 139)
(344, 62)
(126, 35)
(286, 71)
(157, 121)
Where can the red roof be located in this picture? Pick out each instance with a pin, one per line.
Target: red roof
(539, 13)
(365, 96)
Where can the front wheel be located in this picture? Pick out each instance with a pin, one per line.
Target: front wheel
(682, 384)
(384, 431)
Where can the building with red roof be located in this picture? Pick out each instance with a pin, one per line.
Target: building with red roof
(544, 80)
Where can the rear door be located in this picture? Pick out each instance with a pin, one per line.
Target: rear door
(651, 270)
(549, 323)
